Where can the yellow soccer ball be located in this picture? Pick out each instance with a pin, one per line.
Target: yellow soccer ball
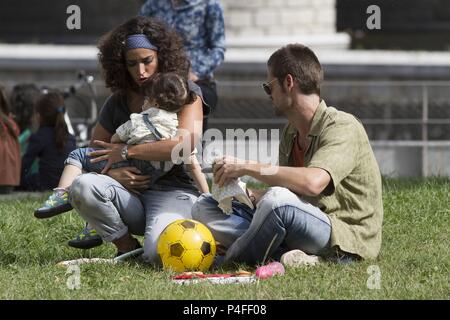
(186, 245)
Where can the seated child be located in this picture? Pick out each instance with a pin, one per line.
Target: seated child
(168, 93)
(51, 144)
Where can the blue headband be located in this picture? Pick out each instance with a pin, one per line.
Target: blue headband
(60, 110)
(139, 41)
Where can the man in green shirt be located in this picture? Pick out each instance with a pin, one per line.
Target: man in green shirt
(326, 198)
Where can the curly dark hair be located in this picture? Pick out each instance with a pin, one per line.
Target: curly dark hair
(171, 53)
(170, 91)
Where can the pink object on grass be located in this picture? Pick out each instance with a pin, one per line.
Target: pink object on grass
(269, 270)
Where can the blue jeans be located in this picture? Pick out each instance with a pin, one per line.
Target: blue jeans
(80, 158)
(280, 222)
(113, 211)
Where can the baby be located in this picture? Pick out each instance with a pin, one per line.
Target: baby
(168, 93)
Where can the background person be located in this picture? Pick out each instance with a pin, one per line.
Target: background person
(9, 148)
(23, 101)
(51, 145)
(201, 25)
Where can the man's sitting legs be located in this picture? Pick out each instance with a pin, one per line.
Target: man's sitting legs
(225, 228)
(281, 222)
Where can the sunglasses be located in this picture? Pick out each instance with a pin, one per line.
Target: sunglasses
(267, 88)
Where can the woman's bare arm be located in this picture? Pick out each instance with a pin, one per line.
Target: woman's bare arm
(100, 134)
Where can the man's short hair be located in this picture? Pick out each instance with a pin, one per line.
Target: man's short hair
(300, 62)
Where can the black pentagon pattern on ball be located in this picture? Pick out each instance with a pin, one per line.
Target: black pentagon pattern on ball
(176, 250)
(206, 248)
(188, 224)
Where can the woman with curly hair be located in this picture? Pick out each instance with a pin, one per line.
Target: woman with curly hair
(120, 203)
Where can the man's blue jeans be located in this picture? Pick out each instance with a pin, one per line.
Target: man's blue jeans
(280, 222)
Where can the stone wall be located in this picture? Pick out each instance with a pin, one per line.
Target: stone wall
(405, 24)
(279, 17)
(44, 21)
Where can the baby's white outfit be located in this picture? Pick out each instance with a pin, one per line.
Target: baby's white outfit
(236, 189)
(150, 125)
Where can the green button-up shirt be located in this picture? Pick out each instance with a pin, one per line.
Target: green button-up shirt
(353, 200)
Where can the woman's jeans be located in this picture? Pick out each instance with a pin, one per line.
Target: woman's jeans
(113, 211)
(280, 222)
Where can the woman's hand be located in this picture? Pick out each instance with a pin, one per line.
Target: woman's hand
(131, 178)
(110, 152)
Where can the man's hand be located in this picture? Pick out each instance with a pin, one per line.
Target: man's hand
(110, 152)
(130, 178)
(227, 168)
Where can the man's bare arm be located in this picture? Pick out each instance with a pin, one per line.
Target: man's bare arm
(300, 180)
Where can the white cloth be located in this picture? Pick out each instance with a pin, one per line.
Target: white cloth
(236, 189)
(136, 130)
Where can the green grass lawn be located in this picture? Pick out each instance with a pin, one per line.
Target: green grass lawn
(414, 260)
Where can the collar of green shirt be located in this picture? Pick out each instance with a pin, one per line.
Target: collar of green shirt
(316, 125)
(318, 120)
(290, 132)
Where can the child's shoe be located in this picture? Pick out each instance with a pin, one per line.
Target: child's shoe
(57, 203)
(269, 270)
(87, 239)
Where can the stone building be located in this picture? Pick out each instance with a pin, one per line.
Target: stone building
(401, 97)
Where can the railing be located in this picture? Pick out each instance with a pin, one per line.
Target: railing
(424, 121)
(251, 87)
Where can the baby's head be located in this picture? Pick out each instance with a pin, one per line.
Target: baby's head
(169, 91)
